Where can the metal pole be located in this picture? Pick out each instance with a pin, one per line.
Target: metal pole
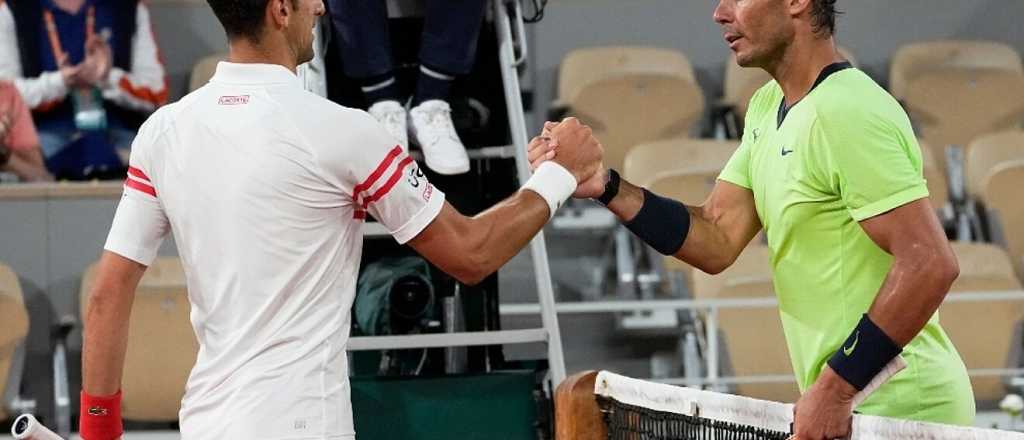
(517, 127)
(712, 335)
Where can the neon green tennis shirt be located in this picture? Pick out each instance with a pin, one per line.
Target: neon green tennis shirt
(843, 154)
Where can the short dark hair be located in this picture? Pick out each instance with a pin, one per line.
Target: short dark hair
(241, 18)
(823, 16)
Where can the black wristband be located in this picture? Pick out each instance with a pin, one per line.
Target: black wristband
(611, 188)
(864, 354)
(662, 223)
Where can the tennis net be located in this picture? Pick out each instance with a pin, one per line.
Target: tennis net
(632, 409)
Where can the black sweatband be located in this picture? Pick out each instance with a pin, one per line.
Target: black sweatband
(611, 188)
(662, 223)
(864, 354)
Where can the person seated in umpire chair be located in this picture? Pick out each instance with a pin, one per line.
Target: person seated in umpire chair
(448, 48)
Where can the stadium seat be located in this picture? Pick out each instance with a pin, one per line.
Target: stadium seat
(630, 95)
(13, 329)
(741, 83)
(683, 169)
(953, 107)
(988, 151)
(1001, 192)
(913, 59)
(983, 331)
(204, 69)
(162, 347)
(754, 342)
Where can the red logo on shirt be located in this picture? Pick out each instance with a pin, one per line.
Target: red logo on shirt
(233, 100)
(427, 192)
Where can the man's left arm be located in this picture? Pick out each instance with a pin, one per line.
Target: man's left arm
(871, 159)
(144, 88)
(924, 267)
(922, 271)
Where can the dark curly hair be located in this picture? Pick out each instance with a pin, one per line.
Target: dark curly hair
(823, 16)
(241, 18)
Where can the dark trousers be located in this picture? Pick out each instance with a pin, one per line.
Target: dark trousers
(450, 32)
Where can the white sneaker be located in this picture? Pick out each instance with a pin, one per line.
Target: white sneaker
(392, 115)
(431, 127)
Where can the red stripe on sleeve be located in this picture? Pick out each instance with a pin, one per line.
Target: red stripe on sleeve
(383, 191)
(139, 186)
(381, 168)
(138, 173)
(359, 214)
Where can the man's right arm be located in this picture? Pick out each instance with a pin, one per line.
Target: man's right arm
(471, 248)
(719, 229)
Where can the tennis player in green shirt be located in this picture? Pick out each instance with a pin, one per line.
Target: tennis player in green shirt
(830, 169)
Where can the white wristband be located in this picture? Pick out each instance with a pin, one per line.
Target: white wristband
(553, 183)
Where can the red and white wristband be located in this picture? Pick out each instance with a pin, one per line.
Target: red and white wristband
(553, 183)
(100, 417)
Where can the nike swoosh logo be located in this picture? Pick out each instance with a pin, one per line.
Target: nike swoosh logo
(785, 151)
(849, 350)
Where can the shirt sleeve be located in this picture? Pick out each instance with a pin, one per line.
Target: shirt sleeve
(140, 223)
(737, 170)
(873, 163)
(22, 135)
(383, 180)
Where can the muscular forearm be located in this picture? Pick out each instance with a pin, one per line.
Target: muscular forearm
(106, 323)
(911, 293)
(106, 341)
(471, 248)
(502, 231)
(707, 246)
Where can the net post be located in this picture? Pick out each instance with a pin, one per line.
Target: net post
(577, 415)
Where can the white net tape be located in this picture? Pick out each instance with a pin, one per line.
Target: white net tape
(771, 415)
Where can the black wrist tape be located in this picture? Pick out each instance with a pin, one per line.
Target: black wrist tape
(661, 223)
(864, 354)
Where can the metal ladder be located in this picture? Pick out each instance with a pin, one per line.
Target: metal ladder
(512, 52)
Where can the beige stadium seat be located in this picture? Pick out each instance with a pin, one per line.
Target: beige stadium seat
(955, 106)
(1001, 192)
(983, 331)
(913, 59)
(988, 151)
(683, 169)
(162, 347)
(754, 339)
(630, 95)
(13, 329)
(742, 82)
(203, 70)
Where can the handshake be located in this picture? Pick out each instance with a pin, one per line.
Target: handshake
(573, 146)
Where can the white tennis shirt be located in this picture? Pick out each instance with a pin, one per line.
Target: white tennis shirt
(266, 187)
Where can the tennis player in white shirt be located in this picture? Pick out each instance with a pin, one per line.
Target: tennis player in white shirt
(265, 188)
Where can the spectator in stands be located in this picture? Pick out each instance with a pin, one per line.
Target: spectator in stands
(90, 71)
(19, 145)
(448, 47)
